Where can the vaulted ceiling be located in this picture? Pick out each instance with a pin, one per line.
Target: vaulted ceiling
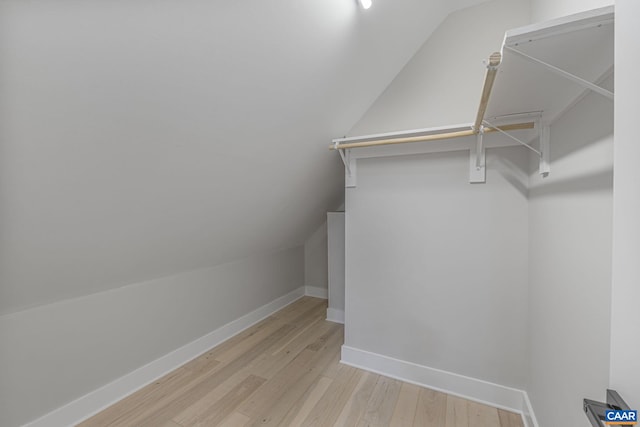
(144, 138)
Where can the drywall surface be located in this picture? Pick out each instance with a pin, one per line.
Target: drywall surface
(141, 139)
(315, 258)
(570, 232)
(336, 238)
(543, 10)
(442, 83)
(53, 354)
(625, 315)
(436, 268)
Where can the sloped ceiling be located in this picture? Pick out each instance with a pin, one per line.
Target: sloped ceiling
(140, 139)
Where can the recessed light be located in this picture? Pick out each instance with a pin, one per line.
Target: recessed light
(366, 4)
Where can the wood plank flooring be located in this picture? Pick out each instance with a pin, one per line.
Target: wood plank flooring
(285, 371)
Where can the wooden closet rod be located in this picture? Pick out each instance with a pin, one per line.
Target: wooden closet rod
(432, 137)
(489, 79)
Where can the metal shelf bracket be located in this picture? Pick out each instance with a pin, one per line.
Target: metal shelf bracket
(477, 159)
(582, 82)
(544, 132)
(350, 166)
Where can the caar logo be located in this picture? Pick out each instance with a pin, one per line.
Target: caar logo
(621, 417)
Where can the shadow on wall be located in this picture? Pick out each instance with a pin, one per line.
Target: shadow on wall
(512, 173)
(564, 145)
(590, 126)
(588, 183)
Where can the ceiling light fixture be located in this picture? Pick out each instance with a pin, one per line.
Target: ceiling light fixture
(366, 4)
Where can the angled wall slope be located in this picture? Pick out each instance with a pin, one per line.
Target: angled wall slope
(163, 162)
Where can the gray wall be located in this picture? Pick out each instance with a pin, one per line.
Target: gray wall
(441, 85)
(137, 142)
(570, 226)
(566, 230)
(53, 354)
(336, 261)
(315, 258)
(571, 215)
(141, 139)
(625, 347)
(436, 268)
(542, 10)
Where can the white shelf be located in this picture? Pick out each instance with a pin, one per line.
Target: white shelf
(546, 68)
(580, 44)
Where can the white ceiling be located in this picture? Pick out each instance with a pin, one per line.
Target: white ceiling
(144, 138)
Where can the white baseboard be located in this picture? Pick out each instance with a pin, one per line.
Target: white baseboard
(527, 412)
(314, 291)
(481, 391)
(94, 402)
(335, 315)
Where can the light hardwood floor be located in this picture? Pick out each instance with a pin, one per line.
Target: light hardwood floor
(285, 371)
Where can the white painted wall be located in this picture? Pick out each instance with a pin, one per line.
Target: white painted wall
(315, 258)
(336, 258)
(543, 10)
(568, 236)
(625, 319)
(53, 354)
(570, 215)
(141, 139)
(624, 353)
(436, 268)
(442, 83)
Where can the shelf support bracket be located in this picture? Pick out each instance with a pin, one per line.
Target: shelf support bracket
(602, 91)
(545, 136)
(349, 166)
(513, 138)
(477, 159)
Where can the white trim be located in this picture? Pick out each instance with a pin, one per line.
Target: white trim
(449, 145)
(528, 415)
(426, 147)
(314, 291)
(481, 391)
(565, 24)
(335, 315)
(404, 133)
(97, 400)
